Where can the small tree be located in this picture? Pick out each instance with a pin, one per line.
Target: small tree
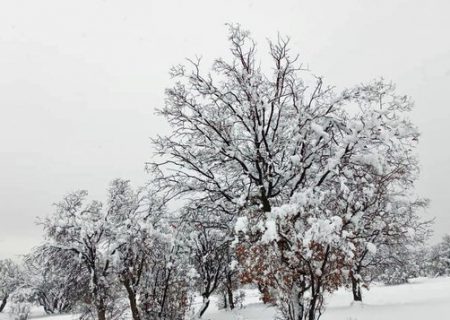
(231, 282)
(208, 237)
(127, 248)
(209, 258)
(438, 263)
(145, 259)
(80, 229)
(20, 307)
(165, 288)
(387, 240)
(10, 278)
(57, 281)
(129, 238)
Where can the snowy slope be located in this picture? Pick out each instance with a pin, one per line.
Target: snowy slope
(418, 300)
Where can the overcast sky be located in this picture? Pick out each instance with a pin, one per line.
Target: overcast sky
(80, 80)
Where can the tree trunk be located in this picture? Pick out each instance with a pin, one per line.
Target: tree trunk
(230, 298)
(166, 288)
(204, 306)
(132, 299)
(356, 289)
(312, 308)
(3, 303)
(225, 301)
(101, 314)
(295, 307)
(101, 309)
(97, 291)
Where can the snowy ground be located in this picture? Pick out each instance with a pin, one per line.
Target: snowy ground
(421, 299)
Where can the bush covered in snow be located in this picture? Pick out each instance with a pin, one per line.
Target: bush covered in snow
(438, 258)
(10, 279)
(20, 305)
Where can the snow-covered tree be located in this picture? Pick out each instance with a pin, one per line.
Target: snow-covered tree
(146, 258)
(386, 241)
(383, 168)
(208, 237)
(55, 280)
(129, 238)
(79, 229)
(20, 306)
(438, 258)
(165, 290)
(230, 287)
(10, 278)
(209, 258)
(291, 162)
(127, 248)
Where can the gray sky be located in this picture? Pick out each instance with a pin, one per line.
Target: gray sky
(79, 82)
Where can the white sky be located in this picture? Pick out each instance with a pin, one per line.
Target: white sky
(79, 81)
